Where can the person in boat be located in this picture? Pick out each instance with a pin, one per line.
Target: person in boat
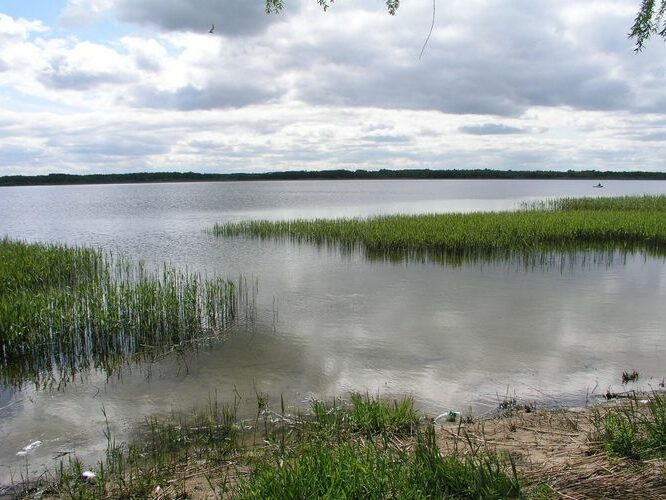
(599, 185)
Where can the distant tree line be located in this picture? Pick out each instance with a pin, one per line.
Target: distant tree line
(146, 177)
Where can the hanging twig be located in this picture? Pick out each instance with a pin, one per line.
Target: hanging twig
(432, 25)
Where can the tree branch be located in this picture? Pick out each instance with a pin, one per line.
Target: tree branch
(648, 21)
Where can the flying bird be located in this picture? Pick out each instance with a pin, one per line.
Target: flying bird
(212, 29)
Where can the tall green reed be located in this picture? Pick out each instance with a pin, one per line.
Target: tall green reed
(634, 224)
(66, 310)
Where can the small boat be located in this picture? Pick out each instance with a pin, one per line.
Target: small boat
(598, 185)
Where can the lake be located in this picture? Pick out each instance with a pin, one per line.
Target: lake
(329, 322)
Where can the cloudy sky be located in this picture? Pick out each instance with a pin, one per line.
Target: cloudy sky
(106, 86)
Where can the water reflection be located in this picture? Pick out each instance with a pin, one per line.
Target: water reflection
(563, 258)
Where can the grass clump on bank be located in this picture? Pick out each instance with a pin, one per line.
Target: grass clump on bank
(626, 223)
(633, 430)
(66, 310)
(366, 415)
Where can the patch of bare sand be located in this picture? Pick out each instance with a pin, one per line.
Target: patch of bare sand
(201, 482)
(558, 448)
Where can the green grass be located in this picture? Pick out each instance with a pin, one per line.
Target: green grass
(64, 311)
(331, 452)
(370, 448)
(656, 203)
(376, 470)
(366, 415)
(609, 224)
(628, 431)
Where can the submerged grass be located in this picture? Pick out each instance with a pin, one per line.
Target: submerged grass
(625, 223)
(65, 310)
(167, 451)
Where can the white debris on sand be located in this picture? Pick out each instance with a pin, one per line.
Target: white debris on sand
(88, 476)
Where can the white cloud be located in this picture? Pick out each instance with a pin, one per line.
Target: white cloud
(545, 84)
(84, 12)
(296, 137)
(18, 30)
(83, 66)
(147, 54)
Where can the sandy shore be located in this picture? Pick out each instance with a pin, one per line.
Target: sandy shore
(559, 448)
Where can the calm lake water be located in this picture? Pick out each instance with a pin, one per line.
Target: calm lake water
(328, 323)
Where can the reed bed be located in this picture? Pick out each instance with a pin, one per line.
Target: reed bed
(656, 203)
(66, 310)
(627, 224)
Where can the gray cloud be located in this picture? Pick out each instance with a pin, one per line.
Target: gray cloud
(145, 63)
(653, 136)
(469, 85)
(11, 155)
(646, 135)
(216, 96)
(80, 80)
(116, 146)
(491, 129)
(231, 17)
(386, 138)
(492, 67)
(503, 60)
(337, 90)
(62, 74)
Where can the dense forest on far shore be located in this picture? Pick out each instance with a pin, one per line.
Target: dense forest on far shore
(140, 177)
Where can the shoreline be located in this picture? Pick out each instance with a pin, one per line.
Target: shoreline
(562, 449)
(554, 452)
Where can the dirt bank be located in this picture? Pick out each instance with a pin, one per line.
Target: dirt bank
(561, 449)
